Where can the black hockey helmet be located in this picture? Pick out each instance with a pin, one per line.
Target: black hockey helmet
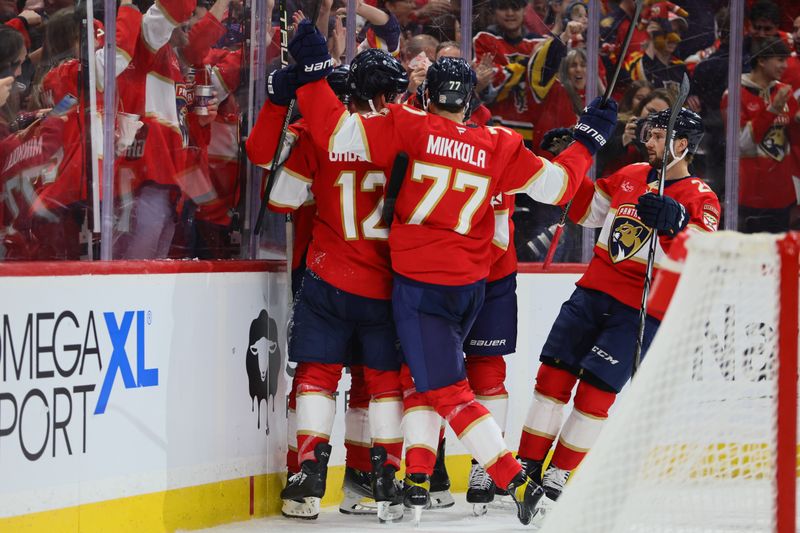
(688, 126)
(450, 82)
(337, 79)
(375, 71)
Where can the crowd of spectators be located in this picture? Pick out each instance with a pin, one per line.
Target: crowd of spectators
(183, 70)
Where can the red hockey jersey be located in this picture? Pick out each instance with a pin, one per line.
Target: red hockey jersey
(147, 87)
(504, 253)
(349, 244)
(510, 102)
(260, 147)
(443, 221)
(620, 254)
(770, 146)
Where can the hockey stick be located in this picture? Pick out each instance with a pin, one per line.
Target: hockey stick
(393, 187)
(284, 28)
(651, 254)
(606, 95)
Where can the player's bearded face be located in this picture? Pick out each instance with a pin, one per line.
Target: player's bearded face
(655, 147)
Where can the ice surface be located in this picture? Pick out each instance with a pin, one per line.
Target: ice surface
(455, 519)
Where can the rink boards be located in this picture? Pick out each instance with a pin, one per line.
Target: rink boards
(152, 396)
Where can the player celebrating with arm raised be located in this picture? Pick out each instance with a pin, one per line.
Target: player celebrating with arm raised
(443, 224)
(345, 293)
(593, 339)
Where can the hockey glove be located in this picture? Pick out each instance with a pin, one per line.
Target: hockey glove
(556, 140)
(281, 85)
(596, 125)
(310, 50)
(662, 213)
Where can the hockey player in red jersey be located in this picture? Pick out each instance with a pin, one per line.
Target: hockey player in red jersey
(593, 339)
(357, 480)
(345, 293)
(443, 223)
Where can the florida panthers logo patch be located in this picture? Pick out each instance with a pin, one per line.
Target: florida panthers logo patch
(627, 235)
(775, 143)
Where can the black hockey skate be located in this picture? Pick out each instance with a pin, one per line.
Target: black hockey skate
(386, 489)
(441, 497)
(307, 487)
(481, 489)
(416, 494)
(526, 493)
(532, 468)
(357, 487)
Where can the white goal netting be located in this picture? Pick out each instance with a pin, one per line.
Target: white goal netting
(691, 445)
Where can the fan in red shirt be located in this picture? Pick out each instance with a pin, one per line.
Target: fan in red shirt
(769, 141)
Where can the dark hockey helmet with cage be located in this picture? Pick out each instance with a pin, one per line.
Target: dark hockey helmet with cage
(688, 126)
(337, 79)
(450, 82)
(375, 71)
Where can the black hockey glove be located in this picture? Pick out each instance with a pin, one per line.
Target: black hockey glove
(556, 140)
(596, 124)
(281, 85)
(662, 213)
(310, 50)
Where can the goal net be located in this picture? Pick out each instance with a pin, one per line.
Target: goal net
(693, 443)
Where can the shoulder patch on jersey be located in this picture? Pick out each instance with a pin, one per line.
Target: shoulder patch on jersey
(494, 129)
(413, 110)
(627, 235)
(711, 217)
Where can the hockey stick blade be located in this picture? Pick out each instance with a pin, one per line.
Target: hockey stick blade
(393, 187)
(683, 94)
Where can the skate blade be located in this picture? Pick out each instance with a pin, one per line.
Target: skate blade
(544, 507)
(480, 509)
(442, 500)
(389, 512)
(359, 508)
(306, 509)
(504, 502)
(416, 514)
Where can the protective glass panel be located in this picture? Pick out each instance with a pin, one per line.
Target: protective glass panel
(182, 72)
(768, 131)
(48, 169)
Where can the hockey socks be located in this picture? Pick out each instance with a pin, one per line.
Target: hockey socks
(421, 428)
(476, 429)
(583, 426)
(292, 466)
(552, 390)
(487, 376)
(386, 413)
(357, 438)
(316, 407)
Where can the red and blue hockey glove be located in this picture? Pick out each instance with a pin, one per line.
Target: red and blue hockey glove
(662, 213)
(310, 51)
(556, 140)
(281, 85)
(596, 124)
